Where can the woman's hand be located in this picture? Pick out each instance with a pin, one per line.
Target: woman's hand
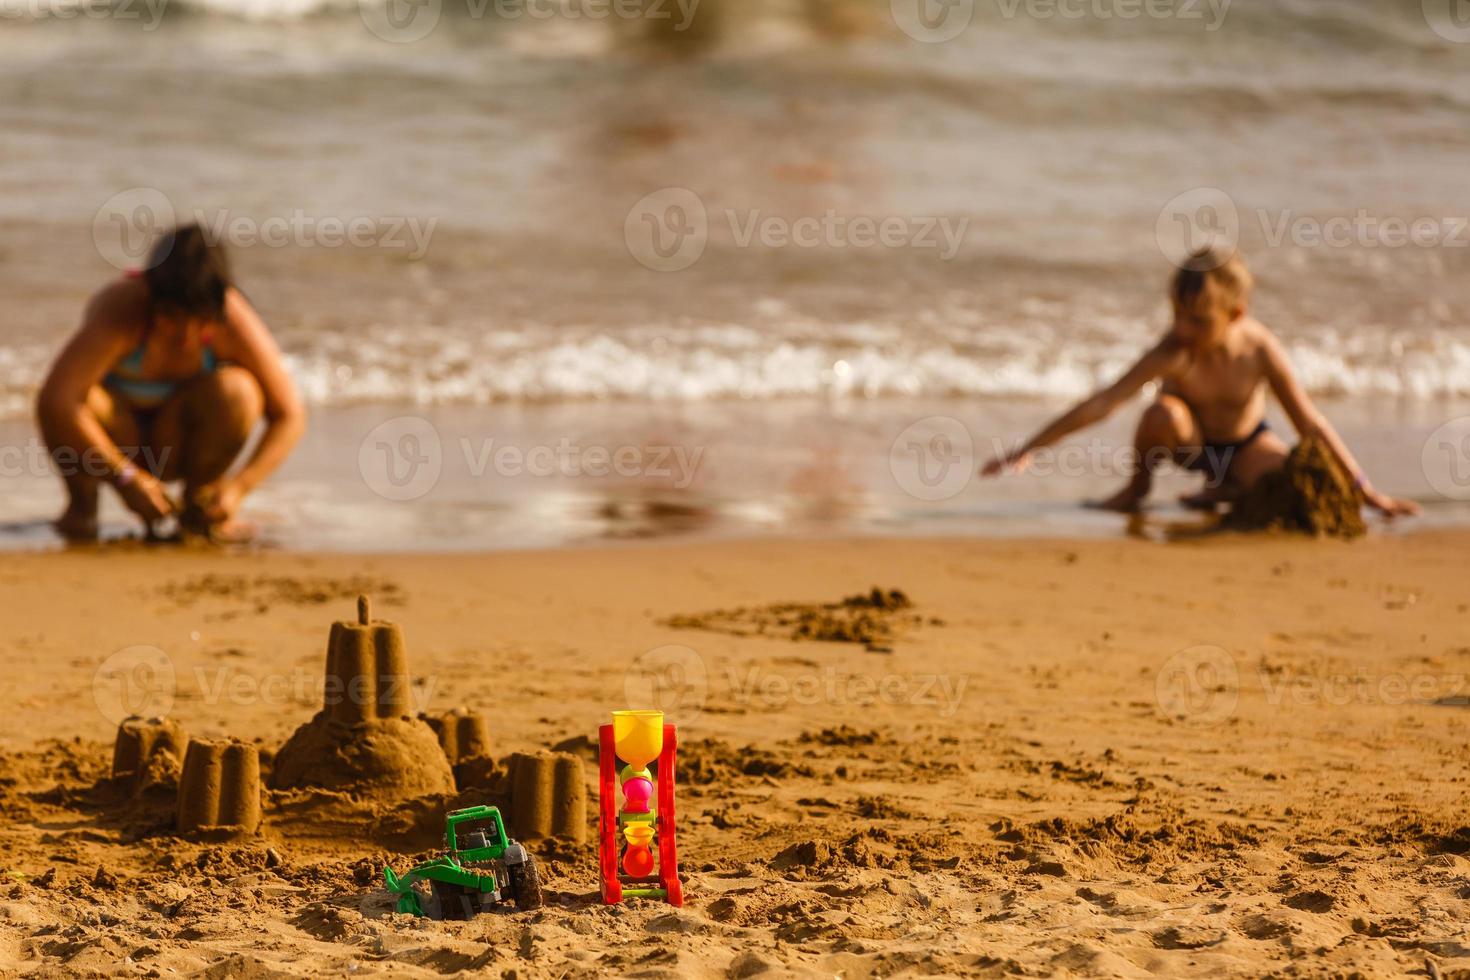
(219, 501)
(1015, 462)
(1390, 506)
(145, 496)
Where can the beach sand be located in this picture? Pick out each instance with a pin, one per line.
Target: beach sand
(1118, 758)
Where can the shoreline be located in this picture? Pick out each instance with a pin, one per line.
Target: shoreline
(497, 477)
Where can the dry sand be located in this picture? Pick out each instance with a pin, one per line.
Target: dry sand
(1222, 758)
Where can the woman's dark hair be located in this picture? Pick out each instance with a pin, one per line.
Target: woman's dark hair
(188, 274)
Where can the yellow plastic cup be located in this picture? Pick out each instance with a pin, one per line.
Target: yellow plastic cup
(638, 736)
(638, 834)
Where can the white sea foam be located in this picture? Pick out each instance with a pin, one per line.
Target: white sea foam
(395, 366)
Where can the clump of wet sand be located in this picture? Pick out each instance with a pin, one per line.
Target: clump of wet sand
(874, 618)
(1311, 494)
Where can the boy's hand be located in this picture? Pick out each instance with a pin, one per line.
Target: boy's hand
(1391, 506)
(1015, 462)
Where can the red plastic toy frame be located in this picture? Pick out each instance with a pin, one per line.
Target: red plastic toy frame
(664, 830)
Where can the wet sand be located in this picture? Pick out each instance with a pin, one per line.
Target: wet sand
(1119, 758)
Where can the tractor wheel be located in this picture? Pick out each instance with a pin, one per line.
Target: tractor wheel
(525, 885)
(456, 902)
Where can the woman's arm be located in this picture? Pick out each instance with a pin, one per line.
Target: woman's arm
(254, 349)
(1309, 422)
(1162, 359)
(103, 339)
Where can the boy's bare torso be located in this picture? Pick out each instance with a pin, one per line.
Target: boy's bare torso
(1225, 387)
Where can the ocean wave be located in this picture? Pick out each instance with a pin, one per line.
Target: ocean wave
(392, 366)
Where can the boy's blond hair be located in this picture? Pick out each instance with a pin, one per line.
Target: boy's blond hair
(1212, 277)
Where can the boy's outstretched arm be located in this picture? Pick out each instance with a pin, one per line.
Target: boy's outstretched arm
(1162, 359)
(1310, 422)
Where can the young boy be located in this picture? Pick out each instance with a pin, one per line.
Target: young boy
(1214, 367)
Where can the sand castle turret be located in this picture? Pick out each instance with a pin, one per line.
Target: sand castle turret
(219, 790)
(148, 751)
(365, 739)
(464, 736)
(548, 797)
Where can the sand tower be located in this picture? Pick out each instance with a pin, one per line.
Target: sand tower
(148, 751)
(219, 790)
(548, 796)
(364, 739)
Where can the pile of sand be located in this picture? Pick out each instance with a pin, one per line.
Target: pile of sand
(874, 619)
(1310, 494)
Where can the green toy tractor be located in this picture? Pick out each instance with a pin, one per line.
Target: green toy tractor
(483, 867)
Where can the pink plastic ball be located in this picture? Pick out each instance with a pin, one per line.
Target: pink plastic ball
(638, 861)
(638, 792)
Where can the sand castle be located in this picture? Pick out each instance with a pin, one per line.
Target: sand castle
(364, 740)
(219, 790)
(364, 743)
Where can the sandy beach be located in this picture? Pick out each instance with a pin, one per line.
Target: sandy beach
(1100, 758)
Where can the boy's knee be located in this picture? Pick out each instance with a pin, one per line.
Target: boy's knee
(1167, 415)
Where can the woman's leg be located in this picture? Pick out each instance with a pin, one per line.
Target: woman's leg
(83, 482)
(1166, 431)
(201, 430)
